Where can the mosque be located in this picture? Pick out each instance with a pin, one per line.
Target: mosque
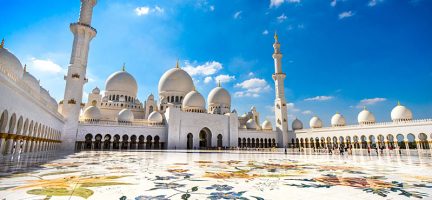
(181, 118)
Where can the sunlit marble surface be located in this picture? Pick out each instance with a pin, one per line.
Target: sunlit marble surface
(214, 175)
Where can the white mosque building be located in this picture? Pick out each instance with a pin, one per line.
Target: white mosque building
(31, 120)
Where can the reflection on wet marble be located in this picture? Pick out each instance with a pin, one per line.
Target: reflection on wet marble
(214, 175)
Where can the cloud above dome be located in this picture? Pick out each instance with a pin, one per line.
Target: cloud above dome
(206, 69)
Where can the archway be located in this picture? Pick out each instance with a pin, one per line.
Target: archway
(205, 138)
(356, 142)
(189, 141)
(156, 142)
(411, 141)
(98, 141)
(149, 142)
(381, 142)
(133, 143)
(364, 142)
(116, 143)
(88, 141)
(400, 140)
(342, 142)
(107, 142)
(219, 140)
(12, 123)
(423, 141)
(141, 142)
(125, 142)
(3, 121)
(372, 141)
(390, 140)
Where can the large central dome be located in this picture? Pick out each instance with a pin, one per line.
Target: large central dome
(122, 81)
(176, 80)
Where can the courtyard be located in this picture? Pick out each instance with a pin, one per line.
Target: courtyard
(181, 174)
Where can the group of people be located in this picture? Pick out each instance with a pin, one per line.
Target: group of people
(348, 149)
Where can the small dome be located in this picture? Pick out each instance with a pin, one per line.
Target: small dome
(266, 125)
(92, 113)
(96, 90)
(125, 115)
(401, 113)
(193, 100)
(366, 117)
(10, 63)
(155, 117)
(175, 80)
(315, 122)
(338, 120)
(31, 82)
(251, 124)
(297, 124)
(122, 82)
(219, 96)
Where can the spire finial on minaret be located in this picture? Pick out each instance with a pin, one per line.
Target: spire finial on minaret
(177, 64)
(124, 67)
(276, 37)
(2, 44)
(219, 83)
(364, 108)
(398, 103)
(25, 67)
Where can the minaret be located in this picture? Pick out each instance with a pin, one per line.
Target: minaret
(281, 114)
(76, 76)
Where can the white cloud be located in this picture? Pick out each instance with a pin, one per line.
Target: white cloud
(307, 112)
(270, 108)
(265, 32)
(319, 98)
(158, 9)
(212, 8)
(372, 101)
(251, 74)
(282, 18)
(237, 15)
(373, 3)
(277, 3)
(208, 79)
(333, 3)
(346, 14)
(224, 78)
(145, 10)
(208, 68)
(291, 107)
(46, 66)
(252, 87)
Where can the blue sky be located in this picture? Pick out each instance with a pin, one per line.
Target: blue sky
(338, 55)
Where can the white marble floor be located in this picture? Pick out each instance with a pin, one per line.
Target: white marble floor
(214, 175)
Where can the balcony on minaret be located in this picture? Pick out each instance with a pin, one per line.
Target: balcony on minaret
(72, 101)
(76, 75)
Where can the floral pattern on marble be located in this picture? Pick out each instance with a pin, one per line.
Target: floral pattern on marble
(173, 175)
